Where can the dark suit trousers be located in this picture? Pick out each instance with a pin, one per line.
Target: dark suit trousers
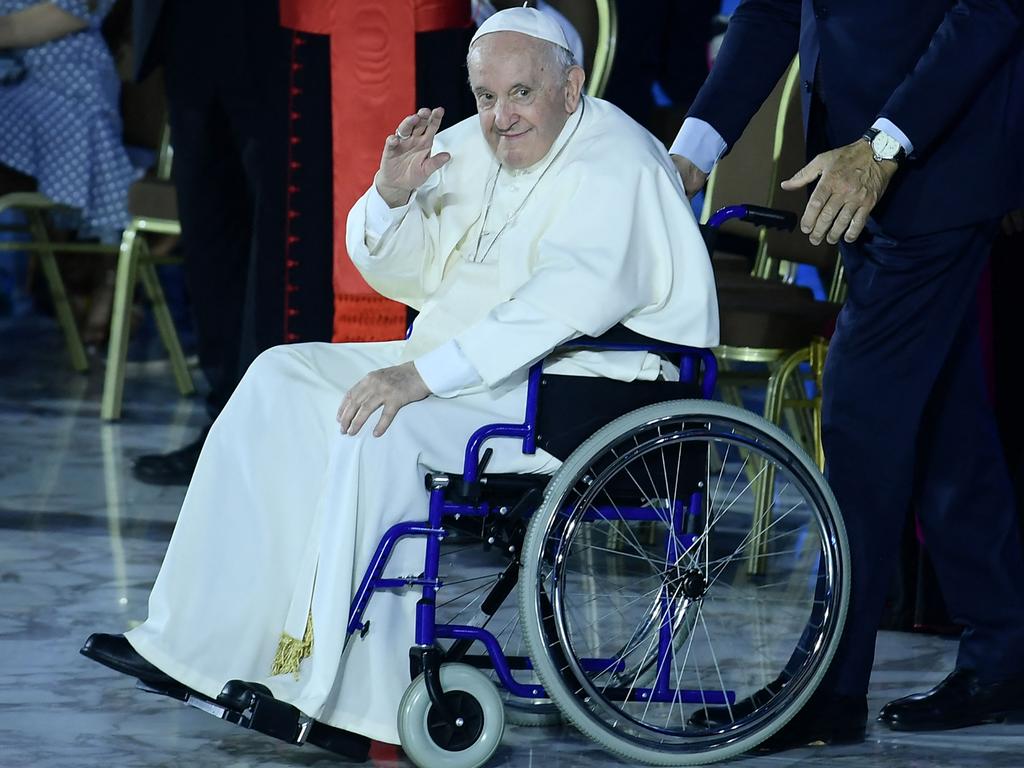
(227, 74)
(907, 422)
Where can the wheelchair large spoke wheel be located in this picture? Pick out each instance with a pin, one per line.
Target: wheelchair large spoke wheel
(686, 556)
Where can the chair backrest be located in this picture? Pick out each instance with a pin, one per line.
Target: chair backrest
(789, 156)
(771, 149)
(144, 117)
(745, 174)
(597, 24)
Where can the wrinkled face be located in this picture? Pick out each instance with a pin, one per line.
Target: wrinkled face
(522, 95)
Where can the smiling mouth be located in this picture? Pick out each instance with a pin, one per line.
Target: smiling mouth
(513, 135)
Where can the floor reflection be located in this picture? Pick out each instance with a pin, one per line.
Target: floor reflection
(80, 544)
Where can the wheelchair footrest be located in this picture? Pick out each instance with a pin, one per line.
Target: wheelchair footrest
(253, 706)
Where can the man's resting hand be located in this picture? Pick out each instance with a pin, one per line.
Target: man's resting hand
(850, 184)
(406, 162)
(391, 388)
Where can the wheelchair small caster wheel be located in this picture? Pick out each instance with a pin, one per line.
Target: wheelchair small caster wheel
(431, 741)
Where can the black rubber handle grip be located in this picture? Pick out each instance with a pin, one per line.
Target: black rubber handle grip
(770, 217)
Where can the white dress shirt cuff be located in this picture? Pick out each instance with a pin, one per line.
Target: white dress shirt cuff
(887, 126)
(699, 143)
(446, 371)
(380, 217)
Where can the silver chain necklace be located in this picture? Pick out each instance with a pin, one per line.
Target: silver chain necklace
(477, 257)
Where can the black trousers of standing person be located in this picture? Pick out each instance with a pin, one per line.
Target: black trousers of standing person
(255, 206)
(906, 359)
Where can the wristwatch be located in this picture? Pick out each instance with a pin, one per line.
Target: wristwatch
(884, 146)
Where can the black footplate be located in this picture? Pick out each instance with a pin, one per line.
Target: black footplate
(252, 705)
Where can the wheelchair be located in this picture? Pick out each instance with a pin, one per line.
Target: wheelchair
(685, 555)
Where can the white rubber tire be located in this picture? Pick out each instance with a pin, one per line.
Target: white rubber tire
(417, 743)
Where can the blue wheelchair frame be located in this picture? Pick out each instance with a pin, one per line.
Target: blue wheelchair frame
(691, 361)
(427, 629)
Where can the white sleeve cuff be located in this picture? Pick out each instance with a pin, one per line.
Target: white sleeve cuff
(446, 370)
(887, 126)
(699, 143)
(380, 217)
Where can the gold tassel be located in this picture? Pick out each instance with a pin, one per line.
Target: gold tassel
(291, 652)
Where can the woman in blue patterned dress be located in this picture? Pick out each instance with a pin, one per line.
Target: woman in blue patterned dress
(59, 118)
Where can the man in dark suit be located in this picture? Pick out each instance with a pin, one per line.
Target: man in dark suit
(235, 99)
(914, 112)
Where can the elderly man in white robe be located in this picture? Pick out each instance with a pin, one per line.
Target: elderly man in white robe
(549, 216)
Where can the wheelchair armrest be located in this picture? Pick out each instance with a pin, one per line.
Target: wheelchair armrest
(616, 337)
(619, 337)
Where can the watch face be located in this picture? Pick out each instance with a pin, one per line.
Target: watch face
(885, 146)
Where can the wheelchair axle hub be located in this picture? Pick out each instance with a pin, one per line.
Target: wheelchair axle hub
(463, 730)
(690, 583)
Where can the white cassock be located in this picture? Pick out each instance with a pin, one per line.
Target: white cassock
(284, 512)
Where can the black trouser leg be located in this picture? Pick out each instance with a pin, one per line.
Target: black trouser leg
(963, 502)
(908, 311)
(214, 208)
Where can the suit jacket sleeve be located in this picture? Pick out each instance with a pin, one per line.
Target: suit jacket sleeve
(762, 39)
(969, 43)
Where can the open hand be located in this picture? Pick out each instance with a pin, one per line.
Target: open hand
(693, 177)
(406, 162)
(851, 184)
(393, 388)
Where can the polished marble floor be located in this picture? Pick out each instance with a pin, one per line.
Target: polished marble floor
(80, 544)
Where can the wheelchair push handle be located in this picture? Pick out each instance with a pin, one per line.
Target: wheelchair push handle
(758, 215)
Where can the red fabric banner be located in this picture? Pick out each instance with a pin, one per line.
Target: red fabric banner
(373, 86)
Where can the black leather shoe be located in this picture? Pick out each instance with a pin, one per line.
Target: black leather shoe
(825, 720)
(116, 652)
(719, 716)
(958, 701)
(174, 468)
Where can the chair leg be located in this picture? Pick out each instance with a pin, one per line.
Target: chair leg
(763, 501)
(117, 350)
(61, 306)
(165, 325)
(819, 350)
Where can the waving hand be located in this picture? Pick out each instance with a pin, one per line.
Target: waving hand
(407, 162)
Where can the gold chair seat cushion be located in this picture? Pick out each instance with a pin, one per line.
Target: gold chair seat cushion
(153, 199)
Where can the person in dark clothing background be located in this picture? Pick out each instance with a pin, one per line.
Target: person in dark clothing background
(661, 44)
(250, 113)
(227, 67)
(914, 111)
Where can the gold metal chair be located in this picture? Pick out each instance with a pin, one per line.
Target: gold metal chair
(153, 205)
(18, 193)
(767, 319)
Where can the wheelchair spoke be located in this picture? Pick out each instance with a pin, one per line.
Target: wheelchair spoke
(746, 540)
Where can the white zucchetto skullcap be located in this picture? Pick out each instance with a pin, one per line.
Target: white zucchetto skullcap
(526, 21)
